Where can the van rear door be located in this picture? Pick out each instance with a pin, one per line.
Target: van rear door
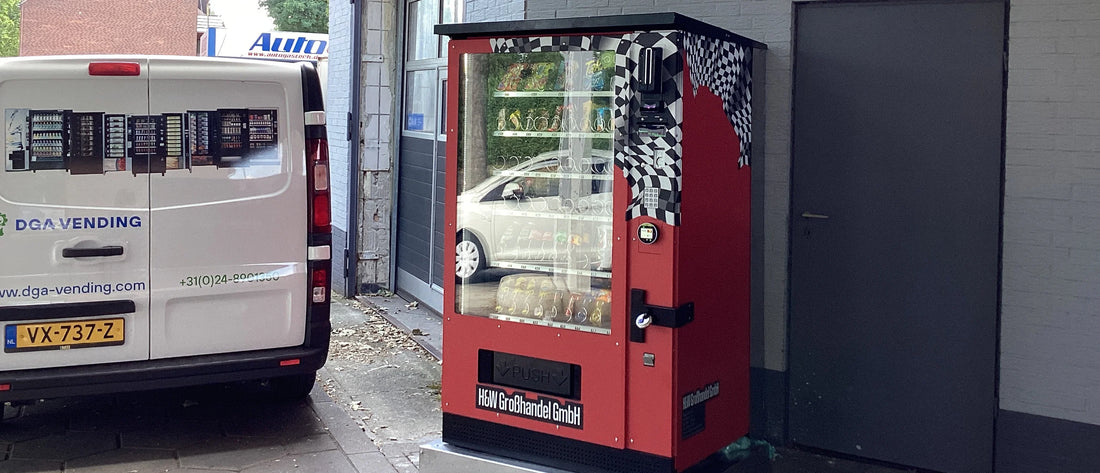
(74, 213)
(229, 209)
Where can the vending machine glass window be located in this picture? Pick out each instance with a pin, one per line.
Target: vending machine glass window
(534, 210)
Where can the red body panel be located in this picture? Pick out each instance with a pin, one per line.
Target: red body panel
(714, 252)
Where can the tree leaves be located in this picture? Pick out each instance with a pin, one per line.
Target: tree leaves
(303, 16)
(9, 28)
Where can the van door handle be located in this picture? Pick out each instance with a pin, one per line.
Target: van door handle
(813, 215)
(91, 252)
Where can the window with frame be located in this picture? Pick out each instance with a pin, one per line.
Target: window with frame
(426, 66)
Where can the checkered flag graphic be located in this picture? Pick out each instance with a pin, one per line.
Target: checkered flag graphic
(726, 69)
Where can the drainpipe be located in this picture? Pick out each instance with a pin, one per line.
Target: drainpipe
(351, 253)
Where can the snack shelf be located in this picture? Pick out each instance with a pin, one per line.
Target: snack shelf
(555, 215)
(552, 324)
(556, 93)
(553, 269)
(552, 134)
(555, 175)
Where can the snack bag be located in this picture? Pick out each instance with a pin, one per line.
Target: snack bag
(597, 78)
(539, 76)
(564, 81)
(512, 78)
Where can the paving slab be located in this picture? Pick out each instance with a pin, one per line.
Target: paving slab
(282, 420)
(313, 444)
(328, 462)
(344, 430)
(18, 429)
(175, 436)
(231, 453)
(64, 446)
(125, 460)
(30, 466)
(372, 463)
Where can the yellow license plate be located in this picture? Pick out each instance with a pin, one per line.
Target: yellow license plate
(63, 335)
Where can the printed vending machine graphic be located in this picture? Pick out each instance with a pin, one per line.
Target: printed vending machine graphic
(598, 184)
(89, 142)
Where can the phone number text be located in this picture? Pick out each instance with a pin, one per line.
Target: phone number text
(211, 280)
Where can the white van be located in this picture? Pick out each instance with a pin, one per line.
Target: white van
(164, 221)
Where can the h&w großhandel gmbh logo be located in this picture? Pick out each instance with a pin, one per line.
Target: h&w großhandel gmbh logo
(3, 221)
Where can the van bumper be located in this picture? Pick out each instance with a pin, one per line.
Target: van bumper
(159, 374)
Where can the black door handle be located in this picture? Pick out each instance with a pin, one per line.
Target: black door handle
(86, 252)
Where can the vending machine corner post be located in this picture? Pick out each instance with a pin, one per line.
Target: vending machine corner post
(597, 298)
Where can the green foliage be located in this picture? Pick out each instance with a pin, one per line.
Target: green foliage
(9, 28)
(304, 16)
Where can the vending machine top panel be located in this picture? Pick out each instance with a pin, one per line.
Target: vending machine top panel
(598, 24)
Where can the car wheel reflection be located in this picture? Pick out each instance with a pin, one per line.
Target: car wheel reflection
(469, 258)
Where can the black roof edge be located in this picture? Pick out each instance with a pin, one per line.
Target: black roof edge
(593, 24)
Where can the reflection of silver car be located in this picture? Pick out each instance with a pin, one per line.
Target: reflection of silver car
(547, 212)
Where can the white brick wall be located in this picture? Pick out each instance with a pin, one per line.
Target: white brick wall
(337, 104)
(494, 10)
(1050, 313)
(768, 21)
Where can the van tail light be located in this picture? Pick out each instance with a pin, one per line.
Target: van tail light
(114, 69)
(291, 362)
(319, 284)
(320, 206)
(5, 387)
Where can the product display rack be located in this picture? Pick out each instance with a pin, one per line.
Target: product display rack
(49, 139)
(147, 144)
(233, 129)
(115, 135)
(202, 137)
(86, 150)
(175, 157)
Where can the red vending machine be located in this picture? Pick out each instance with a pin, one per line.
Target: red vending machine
(597, 318)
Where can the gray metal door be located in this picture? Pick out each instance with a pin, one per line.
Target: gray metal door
(895, 230)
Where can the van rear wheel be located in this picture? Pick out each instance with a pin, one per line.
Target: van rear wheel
(292, 387)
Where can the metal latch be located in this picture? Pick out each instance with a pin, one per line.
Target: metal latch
(643, 315)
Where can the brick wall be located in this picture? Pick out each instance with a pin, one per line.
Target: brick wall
(1050, 313)
(494, 10)
(768, 21)
(337, 106)
(52, 27)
